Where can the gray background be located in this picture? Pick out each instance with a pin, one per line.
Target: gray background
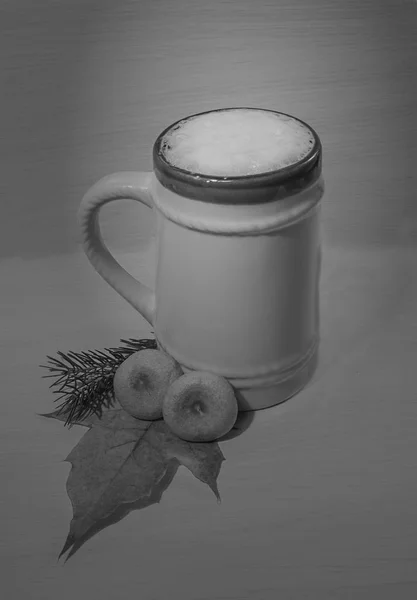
(88, 86)
(319, 494)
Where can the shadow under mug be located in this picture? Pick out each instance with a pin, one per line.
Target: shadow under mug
(238, 269)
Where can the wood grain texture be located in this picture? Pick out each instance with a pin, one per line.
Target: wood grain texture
(88, 87)
(319, 495)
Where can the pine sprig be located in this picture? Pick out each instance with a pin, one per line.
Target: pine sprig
(84, 380)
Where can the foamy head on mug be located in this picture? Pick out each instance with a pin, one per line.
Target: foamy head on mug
(236, 143)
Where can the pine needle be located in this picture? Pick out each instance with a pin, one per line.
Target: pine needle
(84, 380)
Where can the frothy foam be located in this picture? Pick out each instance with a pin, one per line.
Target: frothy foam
(236, 142)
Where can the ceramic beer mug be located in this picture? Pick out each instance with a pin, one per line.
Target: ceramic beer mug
(236, 195)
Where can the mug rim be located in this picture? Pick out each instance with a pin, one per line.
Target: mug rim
(290, 179)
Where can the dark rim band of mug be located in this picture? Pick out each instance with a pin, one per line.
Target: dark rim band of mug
(246, 189)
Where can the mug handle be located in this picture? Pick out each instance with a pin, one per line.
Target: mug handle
(125, 185)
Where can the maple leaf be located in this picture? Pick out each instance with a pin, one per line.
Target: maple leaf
(123, 464)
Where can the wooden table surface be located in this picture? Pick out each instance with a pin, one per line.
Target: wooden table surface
(319, 494)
